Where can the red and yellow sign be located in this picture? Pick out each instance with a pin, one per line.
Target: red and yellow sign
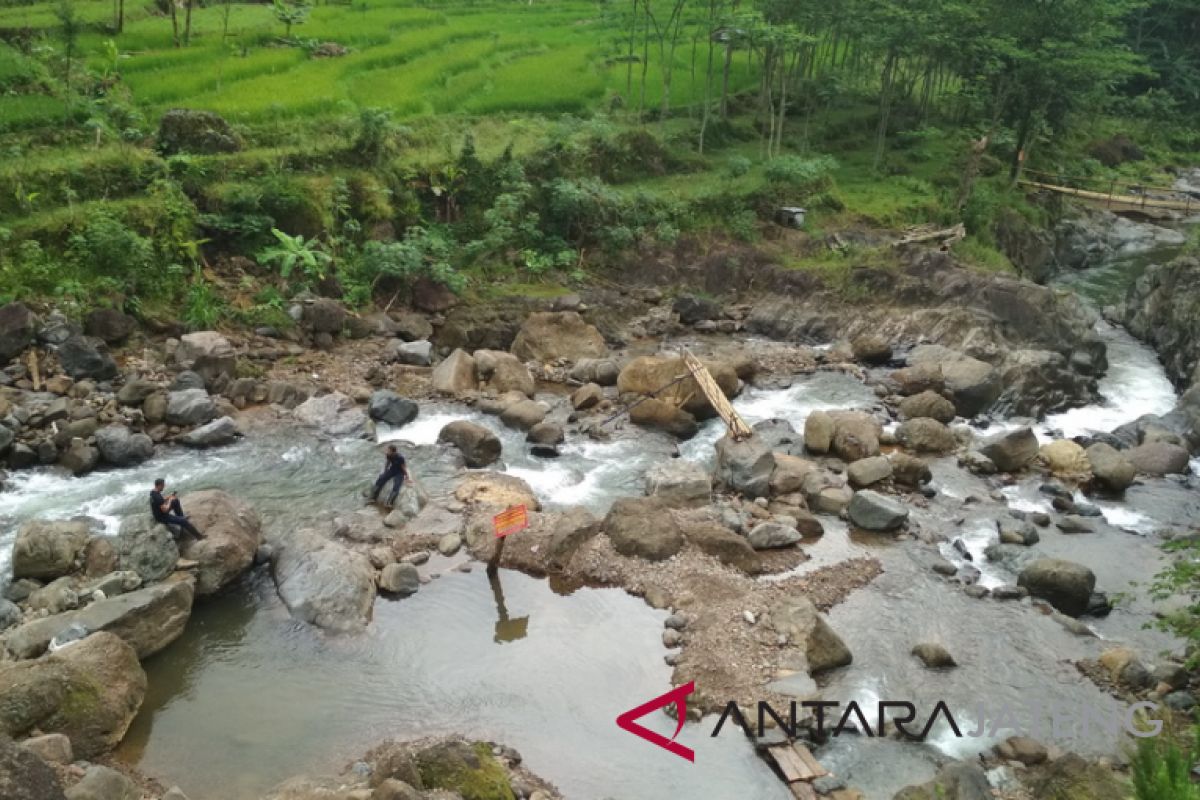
(511, 520)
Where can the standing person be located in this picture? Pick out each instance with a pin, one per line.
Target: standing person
(395, 469)
(167, 510)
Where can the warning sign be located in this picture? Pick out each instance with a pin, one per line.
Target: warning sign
(511, 520)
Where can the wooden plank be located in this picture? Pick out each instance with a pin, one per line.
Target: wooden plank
(737, 426)
(803, 791)
(1135, 200)
(784, 759)
(810, 761)
(796, 764)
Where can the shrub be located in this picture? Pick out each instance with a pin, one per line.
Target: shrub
(737, 166)
(809, 173)
(424, 252)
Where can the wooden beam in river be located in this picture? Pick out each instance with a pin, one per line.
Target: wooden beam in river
(737, 426)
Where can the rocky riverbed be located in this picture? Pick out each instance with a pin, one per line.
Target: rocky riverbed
(945, 492)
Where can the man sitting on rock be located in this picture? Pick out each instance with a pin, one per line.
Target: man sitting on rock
(168, 511)
(394, 470)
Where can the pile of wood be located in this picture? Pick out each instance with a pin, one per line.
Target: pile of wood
(798, 767)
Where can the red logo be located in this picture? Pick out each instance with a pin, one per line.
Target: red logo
(678, 696)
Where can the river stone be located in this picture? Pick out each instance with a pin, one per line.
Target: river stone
(600, 371)
(744, 466)
(25, 775)
(549, 336)
(927, 404)
(1159, 458)
(10, 614)
(323, 583)
(89, 691)
(400, 579)
(503, 372)
(780, 436)
(121, 447)
(232, 535)
(455, 375)
(135, 392)
(495, 489)
(478, 445)
(1070, 776)
(1017, 531)
(679, 483)
(855, 436)
(647, 375)
(104, 783)
(797, 619)
(587, 396)
(1066, 459)
(643, 527)
(934, 656)
(651, 412)
(790, 473)
(1023, 749)
(1064, 584)
(909, 470)
(1110, 468)
(54, 748)
(147, 620)
(206, 353)
(109, 325)
(871, 348)
(873, 511)
(523, 414)
(190, 407)
(219, 432)
(1012, 451)
(956, 781)
(47, 549)
(770, 535)
(449, 544)
(18, 326)
(334, 414)
(81, 358)
(818, 432)
(388, 407)
(416, 354)
(973, 385)
(79, 458)
(146, 547)
(724, 545)
(925, 435)
(55, 597)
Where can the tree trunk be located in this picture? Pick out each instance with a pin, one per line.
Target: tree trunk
(708, 77)
(629, 55)
(885, 105)
(1024, 134)
(174, 24)
(725, 79)
(187, 24)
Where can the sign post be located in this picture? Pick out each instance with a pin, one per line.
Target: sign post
(506, 523)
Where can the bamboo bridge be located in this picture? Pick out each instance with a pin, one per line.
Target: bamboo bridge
(1153, 201)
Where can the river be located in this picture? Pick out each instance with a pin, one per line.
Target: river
(251, 696)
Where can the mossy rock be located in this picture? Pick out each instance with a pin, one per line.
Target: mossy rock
(467, 769)
(1073, 778)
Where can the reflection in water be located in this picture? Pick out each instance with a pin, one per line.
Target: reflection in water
(507, 630)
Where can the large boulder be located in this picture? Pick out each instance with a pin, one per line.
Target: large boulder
(24, 775)
(79, 457)
(1012, 451)
(927, 404)
(1066, 459)
(399, 579)
(771, 535)
(1071, 777)
(47, 549)
(651, 412)
(724, 545)
(503, 372)
(745, 466)
(871, 348)
(855, 435)
(523, 414)
(334, 414)
(955, 781)
(232, 535)
(135, 391)
(417, 354)
(1038, 382)
(1110, 468)
(109, 325)
(89, 691)
(206, 353)
(81, 358)
(455, 375)
(146, 547)
(679, 483)
(324, 583)
(390, 408)
(324, 315)
(643, 527)
(873, 511)
(869, 471)
(221, 431)
(1159, 458)
(495, 489)
(121, 447)
(478, 445)
(551, 335)
(190, 407)
(104, 783)
(973, 385)
(1064, 584)
(790, 473)
(802, 625)
(147, 620)
(819, 428)
(18, 326)
(925, 435)
(649, 375)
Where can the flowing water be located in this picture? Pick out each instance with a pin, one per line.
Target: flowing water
(251, 696)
